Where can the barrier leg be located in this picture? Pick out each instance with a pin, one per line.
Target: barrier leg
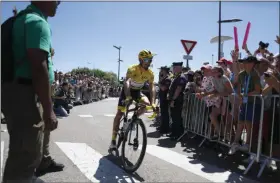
(264, 164)
(185, 133)
(202, 142)
(250, 164)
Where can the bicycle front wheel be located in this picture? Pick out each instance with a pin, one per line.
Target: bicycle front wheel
(132, 141)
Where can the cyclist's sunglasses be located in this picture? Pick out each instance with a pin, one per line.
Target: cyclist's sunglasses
(147, 60)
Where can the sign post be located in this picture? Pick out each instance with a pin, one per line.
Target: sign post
(188, 46)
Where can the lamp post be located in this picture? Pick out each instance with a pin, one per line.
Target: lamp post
(220, 27)
(119, 60)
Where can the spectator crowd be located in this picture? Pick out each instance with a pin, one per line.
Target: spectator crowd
(236, 92)
(69, 90)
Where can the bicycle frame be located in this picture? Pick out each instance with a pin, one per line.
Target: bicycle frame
(135, 110)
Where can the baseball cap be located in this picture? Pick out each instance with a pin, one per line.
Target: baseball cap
(248, 59)
(224, 60)
(208, 67)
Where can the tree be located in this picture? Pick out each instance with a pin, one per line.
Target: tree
(108, 76)
(111, 77)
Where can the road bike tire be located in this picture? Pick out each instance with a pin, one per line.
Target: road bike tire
(120, 139)
(120, 135)
(140, 124)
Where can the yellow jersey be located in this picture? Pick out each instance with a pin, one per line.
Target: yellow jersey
(139, 76)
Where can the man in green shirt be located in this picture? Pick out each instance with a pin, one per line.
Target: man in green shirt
(249, 85)
(26, 102)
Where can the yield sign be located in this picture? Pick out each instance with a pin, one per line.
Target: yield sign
(188, 45)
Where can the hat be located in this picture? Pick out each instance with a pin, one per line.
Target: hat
(165, 68)
(208, 67)
(224, 60)
(177, 64)
(263, 45)
(248, 59)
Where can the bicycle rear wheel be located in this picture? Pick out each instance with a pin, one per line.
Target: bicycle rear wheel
(138, 124)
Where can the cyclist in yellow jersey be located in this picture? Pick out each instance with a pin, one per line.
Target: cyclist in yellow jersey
(136, 76)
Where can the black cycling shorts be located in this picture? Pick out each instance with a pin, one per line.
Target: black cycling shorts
(136, 95)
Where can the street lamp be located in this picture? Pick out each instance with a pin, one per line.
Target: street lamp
(89, 63)
(220, 27)
(119, 48)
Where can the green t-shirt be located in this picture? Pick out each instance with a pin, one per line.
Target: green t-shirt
(31, 31)
(253, 81)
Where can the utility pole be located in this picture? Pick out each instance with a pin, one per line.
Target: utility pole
(220, 22)
(15, 11)
(119, 60)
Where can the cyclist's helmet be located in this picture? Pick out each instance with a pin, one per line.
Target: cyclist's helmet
(144, 54)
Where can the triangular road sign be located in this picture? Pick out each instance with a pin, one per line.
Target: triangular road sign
(188, 45)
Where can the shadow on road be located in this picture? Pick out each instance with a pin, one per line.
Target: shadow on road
(166, 142)
(214, 155)
(106, 173)
(154, 134)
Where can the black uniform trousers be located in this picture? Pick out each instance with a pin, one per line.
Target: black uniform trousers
(176, 115)
(164, 113)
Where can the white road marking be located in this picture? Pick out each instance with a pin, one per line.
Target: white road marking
(109, 115)
(215, 174)
(113, 115)
(92, 164)
(108, 99)
(2, 155)
(86, 116)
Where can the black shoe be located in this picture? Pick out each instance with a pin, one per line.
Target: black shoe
(53, 167)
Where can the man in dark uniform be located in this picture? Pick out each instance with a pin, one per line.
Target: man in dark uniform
(164, 84)
(176, 98)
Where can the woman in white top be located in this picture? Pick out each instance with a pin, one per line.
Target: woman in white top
(223, 88)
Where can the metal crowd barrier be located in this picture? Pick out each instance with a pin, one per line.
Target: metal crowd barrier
(196, 120)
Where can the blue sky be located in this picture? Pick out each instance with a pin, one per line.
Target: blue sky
(86, 31)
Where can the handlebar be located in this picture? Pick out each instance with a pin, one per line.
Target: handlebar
(140, 105)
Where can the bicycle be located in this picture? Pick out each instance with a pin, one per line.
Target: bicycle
(124, 134)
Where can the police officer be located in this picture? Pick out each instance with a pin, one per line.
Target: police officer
(164, 83)
(176, 99)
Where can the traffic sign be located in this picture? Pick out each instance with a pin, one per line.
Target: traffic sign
(188, 45)
(187, 57)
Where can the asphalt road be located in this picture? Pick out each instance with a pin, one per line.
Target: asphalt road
(81, 144)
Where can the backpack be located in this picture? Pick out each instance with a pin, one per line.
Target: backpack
(7, 54)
